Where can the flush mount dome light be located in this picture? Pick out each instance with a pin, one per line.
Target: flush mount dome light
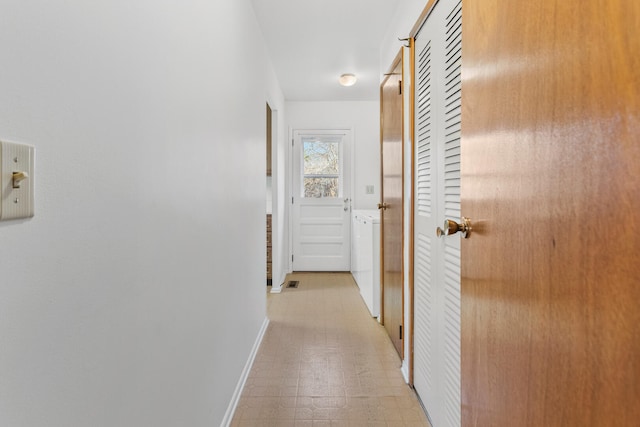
(347, 79)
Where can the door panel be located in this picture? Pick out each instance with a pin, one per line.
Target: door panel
(321, 201)
(437, 197)
(551, 181)
(392, 199)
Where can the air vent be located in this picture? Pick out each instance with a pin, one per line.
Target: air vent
(292, 284)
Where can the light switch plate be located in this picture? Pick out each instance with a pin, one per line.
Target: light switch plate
(16, 203)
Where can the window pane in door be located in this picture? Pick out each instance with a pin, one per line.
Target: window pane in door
(320, 187)
(321, 157)
(321, 167)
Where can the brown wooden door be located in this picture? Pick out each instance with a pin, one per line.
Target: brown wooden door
(551, 181)
(391, 213)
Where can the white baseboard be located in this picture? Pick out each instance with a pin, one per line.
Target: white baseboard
(231, 409)
(405, 370)
(276, 289)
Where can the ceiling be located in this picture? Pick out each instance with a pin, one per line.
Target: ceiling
(312, 42)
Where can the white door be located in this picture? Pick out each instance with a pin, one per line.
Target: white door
(437, 197)
(321, 201)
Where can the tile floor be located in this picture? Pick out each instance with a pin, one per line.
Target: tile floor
(325, 362)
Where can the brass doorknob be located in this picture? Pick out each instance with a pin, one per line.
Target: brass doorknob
(452, 227)
(383, 206)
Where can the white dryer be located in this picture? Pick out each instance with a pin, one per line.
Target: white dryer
(365, 257)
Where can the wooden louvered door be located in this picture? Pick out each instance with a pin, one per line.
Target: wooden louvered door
(436, 197)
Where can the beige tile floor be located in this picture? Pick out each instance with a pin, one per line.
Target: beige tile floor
(325, 362)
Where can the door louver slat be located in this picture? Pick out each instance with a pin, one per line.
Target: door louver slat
(452, 210)
(424, 131)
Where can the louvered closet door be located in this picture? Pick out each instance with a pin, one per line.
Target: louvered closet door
(437, 197)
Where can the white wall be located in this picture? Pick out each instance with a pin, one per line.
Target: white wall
(135, 294)
(406, 15)
(361, 116)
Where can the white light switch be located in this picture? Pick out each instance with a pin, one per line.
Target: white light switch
(16, 180)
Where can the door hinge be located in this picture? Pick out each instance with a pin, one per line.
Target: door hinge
(291, 258)
(399, 87)
(292, 142)
(401, 332)
(292, 200)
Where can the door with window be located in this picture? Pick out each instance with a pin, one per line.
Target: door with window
(321, 201)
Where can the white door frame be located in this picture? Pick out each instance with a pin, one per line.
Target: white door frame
(290, 170)
(276, 234)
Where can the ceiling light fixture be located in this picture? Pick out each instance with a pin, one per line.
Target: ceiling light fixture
(347, 79)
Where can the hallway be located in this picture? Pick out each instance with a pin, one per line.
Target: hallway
(325, 362)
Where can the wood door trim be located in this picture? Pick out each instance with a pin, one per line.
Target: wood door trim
(422, 18)
(402, 137)
(412, 103)
(381, 317)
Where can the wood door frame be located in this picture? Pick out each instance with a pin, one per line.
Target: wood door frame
(397, 61)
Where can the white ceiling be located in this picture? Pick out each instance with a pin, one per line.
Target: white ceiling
(312, 42)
